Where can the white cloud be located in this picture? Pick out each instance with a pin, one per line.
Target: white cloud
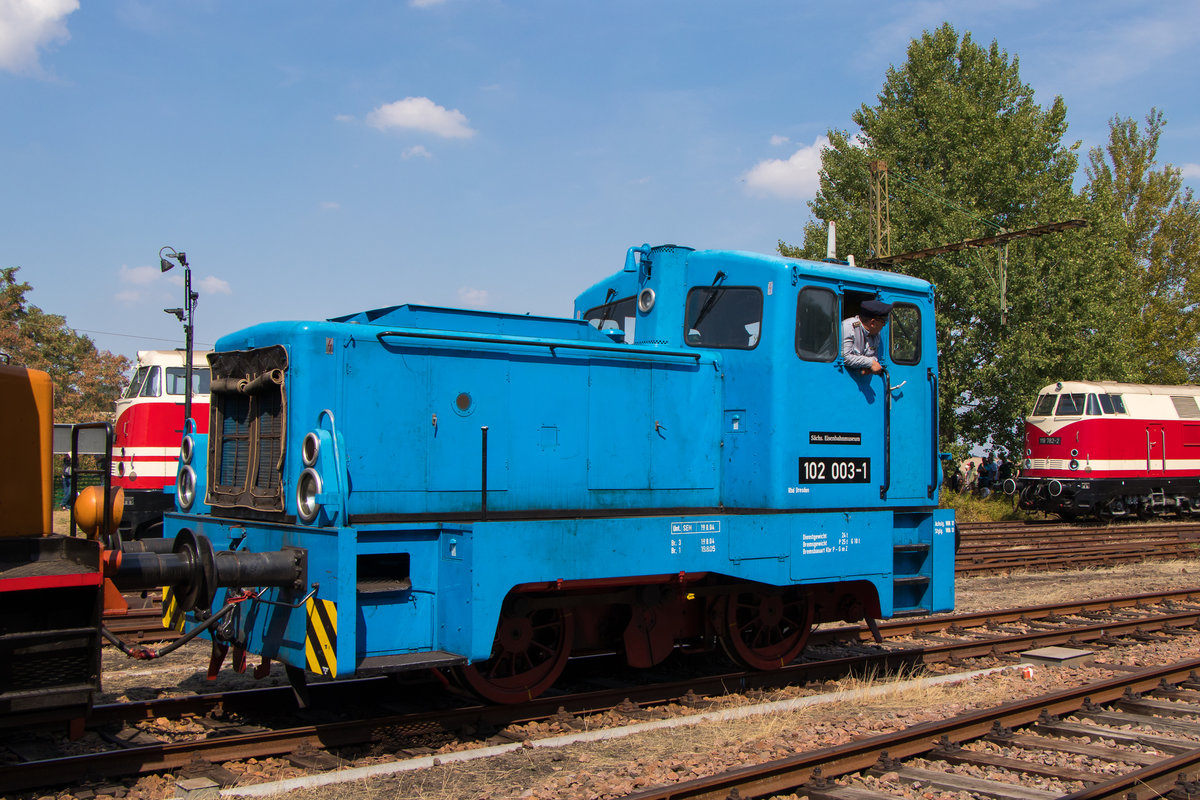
(473, 298)
(421, 114)
(343, 118)
(214, 285)
(137, 276)
(416, 152)
(777, 140)
(330, 205)
(425, 3)
(796, 178)
(1190, 170)
(27, 26)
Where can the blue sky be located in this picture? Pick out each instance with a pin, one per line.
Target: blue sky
(315, 159)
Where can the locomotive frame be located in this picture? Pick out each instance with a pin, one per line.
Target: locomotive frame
(686, 463)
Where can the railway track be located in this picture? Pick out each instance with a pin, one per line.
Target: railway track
(236, 730)
(1154, 709)
(987, 548)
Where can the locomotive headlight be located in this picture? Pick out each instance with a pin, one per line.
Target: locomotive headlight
(1074, 453)
(646, 300)
(1074, 464)
(1029, 463)
(310, 450)
(307, 489)
(187, 449)
(185, 487)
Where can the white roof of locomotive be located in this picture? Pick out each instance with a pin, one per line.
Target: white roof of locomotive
(1125, 389)
(170, 358)
(1142, 400)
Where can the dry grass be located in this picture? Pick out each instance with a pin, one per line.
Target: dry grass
(996, 508)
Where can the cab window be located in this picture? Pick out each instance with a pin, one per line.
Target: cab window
(1118, 403)
(724, 317)
(153, 385)
(905, 341)
(1069, 405)
(135, 385)
(177, 379)
(817, 324)
(1045, 406)
(1093, 406)
(619, 315)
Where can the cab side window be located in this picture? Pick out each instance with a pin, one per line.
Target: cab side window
(618, 315)
(817, 332)
(726, 317)
(905, 336)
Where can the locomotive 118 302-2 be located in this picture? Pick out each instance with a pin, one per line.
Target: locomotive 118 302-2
(686, 463)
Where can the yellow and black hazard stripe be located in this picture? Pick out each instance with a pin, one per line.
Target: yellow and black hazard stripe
(172, 618)
(320, 640)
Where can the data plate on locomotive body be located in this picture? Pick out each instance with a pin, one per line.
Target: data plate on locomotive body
(835, 470)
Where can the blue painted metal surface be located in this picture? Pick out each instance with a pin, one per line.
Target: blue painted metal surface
(633, 446)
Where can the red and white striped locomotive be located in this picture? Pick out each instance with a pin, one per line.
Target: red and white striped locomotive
(147, 433)
(1111, 450)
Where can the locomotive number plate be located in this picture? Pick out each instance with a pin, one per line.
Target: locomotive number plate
(835, 470)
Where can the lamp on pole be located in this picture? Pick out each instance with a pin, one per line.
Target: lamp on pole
(184, 315)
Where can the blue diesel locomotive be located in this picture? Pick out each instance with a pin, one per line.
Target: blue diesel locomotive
(686, 463)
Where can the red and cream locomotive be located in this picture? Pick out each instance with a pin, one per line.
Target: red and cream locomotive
(1111, 450)
(147, 433)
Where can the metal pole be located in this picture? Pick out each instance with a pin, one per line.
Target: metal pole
(187, 375)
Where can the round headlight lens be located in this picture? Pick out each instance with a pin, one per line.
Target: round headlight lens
(187, 449)
(185, 487)
(1074, 464)
(646, 300)
(310, 449)
(307, 489)
(1029, 463)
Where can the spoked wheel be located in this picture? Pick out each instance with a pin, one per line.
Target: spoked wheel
(765, 629)
(529, 654)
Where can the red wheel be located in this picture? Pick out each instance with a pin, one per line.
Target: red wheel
(529, 654)
(766, 629)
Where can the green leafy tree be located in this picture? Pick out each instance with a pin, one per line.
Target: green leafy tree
(86, 381)
(970, 153)
(1156, 223)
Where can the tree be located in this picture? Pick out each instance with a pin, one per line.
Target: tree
(86, 381)
(1157, 223)
(970, 153)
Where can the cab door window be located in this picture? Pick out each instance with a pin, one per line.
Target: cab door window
(905, 335)
(817, 332)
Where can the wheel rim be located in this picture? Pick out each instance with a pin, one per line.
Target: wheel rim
(766, 630)
(528, 654)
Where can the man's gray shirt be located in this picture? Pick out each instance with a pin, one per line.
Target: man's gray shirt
(858, 346)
